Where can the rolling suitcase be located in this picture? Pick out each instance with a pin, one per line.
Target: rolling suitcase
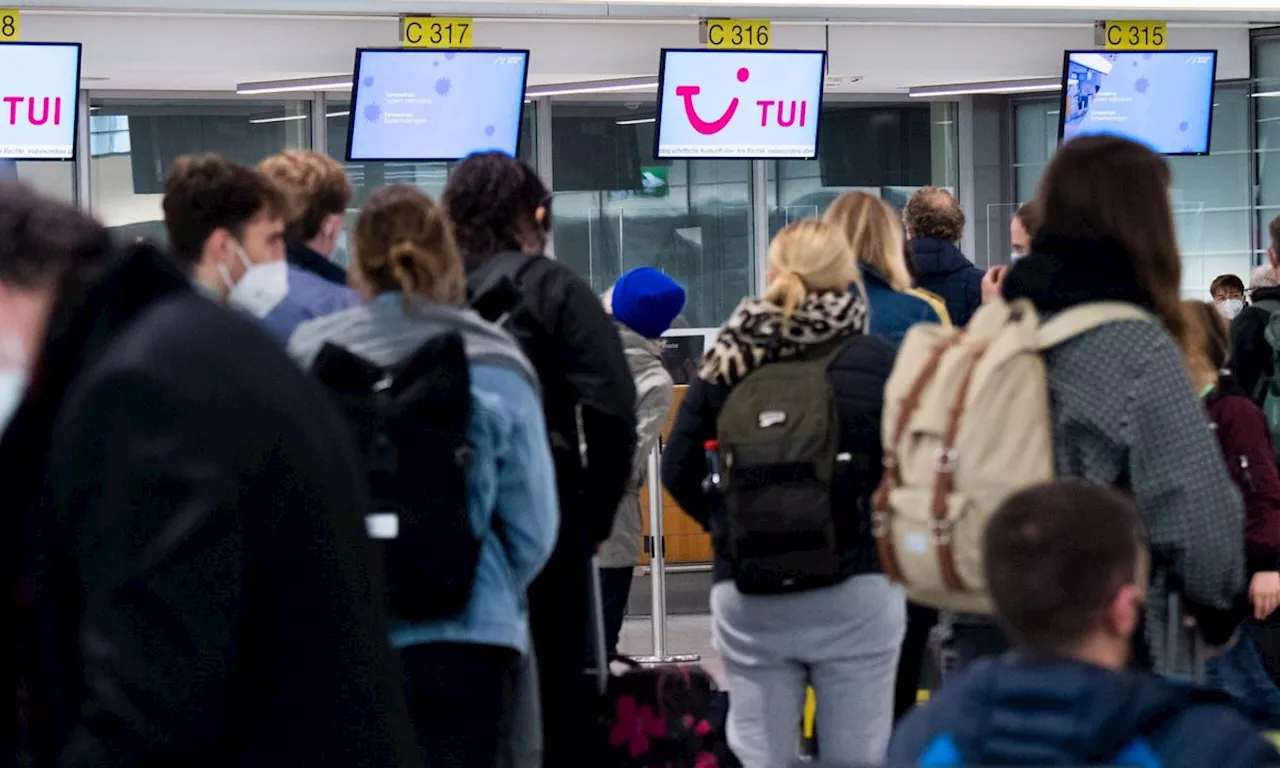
(662, 716)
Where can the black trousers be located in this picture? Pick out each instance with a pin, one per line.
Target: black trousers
(915, 648)
(615, 590)
(560, 619)
(460, 697)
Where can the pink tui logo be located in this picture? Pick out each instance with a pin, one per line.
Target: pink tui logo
(709, 127)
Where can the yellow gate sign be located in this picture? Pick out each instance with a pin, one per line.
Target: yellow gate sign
(750, 34)
(435, 32)
(1136, 35)
(8, 25)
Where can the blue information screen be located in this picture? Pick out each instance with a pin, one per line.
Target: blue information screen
(743, 104)
(39, 83)
(1163, 99)
(415, 105)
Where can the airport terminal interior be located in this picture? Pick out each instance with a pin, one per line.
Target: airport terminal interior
(965, 96)
(973, 96)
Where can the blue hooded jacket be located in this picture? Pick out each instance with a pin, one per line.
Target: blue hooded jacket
(1015, 711)
(944, 270)
(893, 312)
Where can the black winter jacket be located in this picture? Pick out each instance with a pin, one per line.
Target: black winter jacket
(858, 376)
(944, 270)
(1253, 359)
(204, 594)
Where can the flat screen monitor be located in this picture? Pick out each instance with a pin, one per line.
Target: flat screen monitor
(1163, 99)
(420, 105)
(739, 104)
(39, 88)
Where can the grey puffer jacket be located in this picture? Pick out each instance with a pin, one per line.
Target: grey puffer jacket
(655, 394)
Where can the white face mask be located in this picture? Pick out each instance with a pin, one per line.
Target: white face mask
(1230, 308)
(261, 288)
(13, 381)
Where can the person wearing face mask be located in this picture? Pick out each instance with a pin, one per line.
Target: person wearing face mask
(1022, 229)
(238, 256)
(501, 215)
(1228, 295)
(180, 518)
(316, 191)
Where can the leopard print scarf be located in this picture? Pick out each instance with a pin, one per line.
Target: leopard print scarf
(754, 334)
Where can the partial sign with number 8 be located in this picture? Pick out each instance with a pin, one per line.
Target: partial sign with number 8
(9, 27)
(435, 32)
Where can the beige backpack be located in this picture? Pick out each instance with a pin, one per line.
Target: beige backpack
(966, 424)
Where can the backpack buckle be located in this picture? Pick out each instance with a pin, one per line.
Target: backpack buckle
(944, 460)
(879, 524)
(942, 532)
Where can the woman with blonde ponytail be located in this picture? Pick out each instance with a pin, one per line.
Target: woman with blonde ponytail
(461, 669)
(842, 634)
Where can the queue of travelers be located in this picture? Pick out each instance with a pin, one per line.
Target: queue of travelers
(226, 456)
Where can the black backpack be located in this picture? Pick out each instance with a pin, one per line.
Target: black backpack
(779, 442)
(496, 292)
(410, 421)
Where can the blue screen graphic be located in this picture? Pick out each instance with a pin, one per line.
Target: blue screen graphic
(38, 89)
(747, 104)
(1161, 99)
(436, 105)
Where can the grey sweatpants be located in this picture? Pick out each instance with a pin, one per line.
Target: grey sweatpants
(843, 640)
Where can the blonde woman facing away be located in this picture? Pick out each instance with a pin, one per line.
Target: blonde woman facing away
(840, 633)
(876, 236)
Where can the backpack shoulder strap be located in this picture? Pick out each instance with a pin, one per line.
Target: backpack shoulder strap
(1270, 306)
(1071, 323)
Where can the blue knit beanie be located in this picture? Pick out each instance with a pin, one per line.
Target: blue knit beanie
(646, 301)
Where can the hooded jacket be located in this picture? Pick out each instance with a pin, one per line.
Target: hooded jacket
(942, 269)
(203, 590)
(1015, 710)
(655, 396)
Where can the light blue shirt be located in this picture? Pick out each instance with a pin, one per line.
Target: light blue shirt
(309, 297)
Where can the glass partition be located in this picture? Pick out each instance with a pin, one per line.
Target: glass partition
(56, 179)
(618, 208)
(889, 150)
(134, 143)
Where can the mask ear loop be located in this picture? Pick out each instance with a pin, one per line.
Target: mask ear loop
(225, 273)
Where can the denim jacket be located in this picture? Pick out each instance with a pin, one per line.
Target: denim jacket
(511, 492)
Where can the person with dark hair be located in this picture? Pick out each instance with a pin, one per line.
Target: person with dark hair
(460, 668)
(1227, 292)
(226, 228)
(935, 224)
(501, 214)
(1067, 568)
(1124, 411)
(316, 193)
(202, 591)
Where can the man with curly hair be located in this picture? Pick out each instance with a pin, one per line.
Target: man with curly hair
(935, 224)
